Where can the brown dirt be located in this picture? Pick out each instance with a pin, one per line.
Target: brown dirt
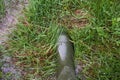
(78, 19)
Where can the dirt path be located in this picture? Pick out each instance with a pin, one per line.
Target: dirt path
(14, 10)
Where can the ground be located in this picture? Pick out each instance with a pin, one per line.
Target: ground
(14, 10)
(93, 25)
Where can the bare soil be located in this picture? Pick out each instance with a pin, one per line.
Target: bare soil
(14, 10)
(79, 19)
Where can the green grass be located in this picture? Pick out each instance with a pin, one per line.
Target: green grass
(96, 45)
(2, 8)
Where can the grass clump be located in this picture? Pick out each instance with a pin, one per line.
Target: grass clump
(96, 45)
(35, 48)
(2, 8)
(44, 12)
